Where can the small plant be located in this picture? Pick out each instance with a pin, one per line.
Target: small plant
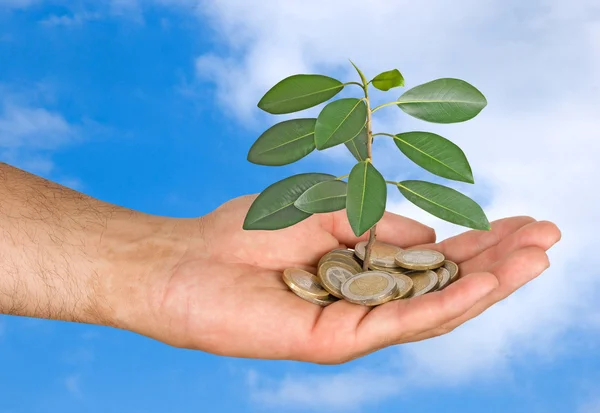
(348, 121)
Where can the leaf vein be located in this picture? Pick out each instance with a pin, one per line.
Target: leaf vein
(435, 203)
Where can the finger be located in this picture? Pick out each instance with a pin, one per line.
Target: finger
(398, 321)
(467, 245)
(542, 234)
(512, 273)
(392, 228)
(331, 339)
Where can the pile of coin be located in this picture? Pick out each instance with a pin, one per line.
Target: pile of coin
(393, 274)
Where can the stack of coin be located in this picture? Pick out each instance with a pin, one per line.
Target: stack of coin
(393, 273)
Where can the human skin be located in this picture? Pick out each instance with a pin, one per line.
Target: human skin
(207, 284)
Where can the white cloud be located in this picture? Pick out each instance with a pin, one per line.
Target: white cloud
(73, 385)
(76, 19)
(70, 182)
(343, 391)
(29, 135)
(130, 9)
(33, 128)
(17, 4)
(534, 147)
(590, 406)
(84, 11)
(79, 356)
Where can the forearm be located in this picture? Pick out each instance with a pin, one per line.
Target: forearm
(67, 256)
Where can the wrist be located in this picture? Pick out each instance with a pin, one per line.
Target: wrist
(138, 253)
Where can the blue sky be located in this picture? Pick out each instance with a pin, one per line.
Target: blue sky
(152, 105)
(138, 136)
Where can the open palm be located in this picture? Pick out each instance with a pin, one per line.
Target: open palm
(227, 296)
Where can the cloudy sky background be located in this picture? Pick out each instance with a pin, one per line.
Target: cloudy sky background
(121, 99)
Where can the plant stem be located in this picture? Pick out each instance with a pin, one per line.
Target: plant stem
(384, 134)
(372, 231)
(369, 128)
(384, 105)
(339, 178)
(353, 83)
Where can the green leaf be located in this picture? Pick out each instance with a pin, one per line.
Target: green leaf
(274, 207)
(327, 196)
(443, 101)
(284, 143)
(362, 76)
(435, 154)
(445, 203)
(299, 92)
(366, 199)
(358, 145)
(340, 121)
(387, 80)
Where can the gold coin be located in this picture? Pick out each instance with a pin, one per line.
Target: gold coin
(382, 253)
(444, 277)
(452, 267)
(323, 302)
(337, 255)
(395, 270)
(343, 259)
(345, 251)
(304, 282)
(339, 251)
(370, 288)
(326, 256)
(405, 285)
(332, 274)
(423, 282)
(420, 259)
(356, 257)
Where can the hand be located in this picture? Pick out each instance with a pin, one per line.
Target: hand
(226, 295)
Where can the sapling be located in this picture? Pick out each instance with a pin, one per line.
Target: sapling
(348, 121)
